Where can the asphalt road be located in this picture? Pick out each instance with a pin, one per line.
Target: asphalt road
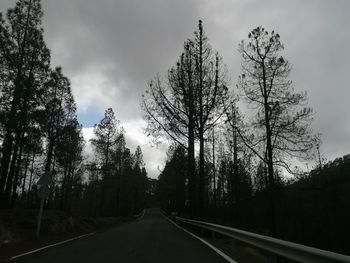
(152, 239)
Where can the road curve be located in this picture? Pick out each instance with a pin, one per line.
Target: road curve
(152, 239)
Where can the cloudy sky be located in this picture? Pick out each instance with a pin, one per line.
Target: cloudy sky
(110, 49)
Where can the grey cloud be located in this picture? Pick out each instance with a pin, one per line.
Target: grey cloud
(136, 39)
(120, 45)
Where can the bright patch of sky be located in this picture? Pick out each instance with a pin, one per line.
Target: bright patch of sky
(90, 116)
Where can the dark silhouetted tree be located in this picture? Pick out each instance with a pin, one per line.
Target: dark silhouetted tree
(188, 104)
(25, 61)
(282, 122)
(107, 133)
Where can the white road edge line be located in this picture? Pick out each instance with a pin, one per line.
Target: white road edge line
(142, 215)
(52, 245)
(203, 241)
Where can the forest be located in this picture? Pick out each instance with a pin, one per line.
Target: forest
(253, 160)
(42, 145)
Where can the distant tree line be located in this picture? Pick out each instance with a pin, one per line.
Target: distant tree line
(41, 136)
(118, 179)
(241, 169)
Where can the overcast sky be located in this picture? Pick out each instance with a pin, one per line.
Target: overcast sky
(110, 49)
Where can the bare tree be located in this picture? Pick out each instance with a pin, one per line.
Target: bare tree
(169, 108)
(281, 126)
(188, 104)
(211, 95)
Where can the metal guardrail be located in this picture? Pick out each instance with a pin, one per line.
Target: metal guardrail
(283, 248)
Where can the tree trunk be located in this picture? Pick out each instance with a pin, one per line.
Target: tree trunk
(6, 158)
(269, 160)
(191, 161)
(49, 157)
(17, 169)
(31, 178)
(25, 176)
(191, 170)
(9, 182)
(201, 128)
(64, 186)
(235, 160)
(214, 172)
(201, 174)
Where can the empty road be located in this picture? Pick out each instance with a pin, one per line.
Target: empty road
(152, 239)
